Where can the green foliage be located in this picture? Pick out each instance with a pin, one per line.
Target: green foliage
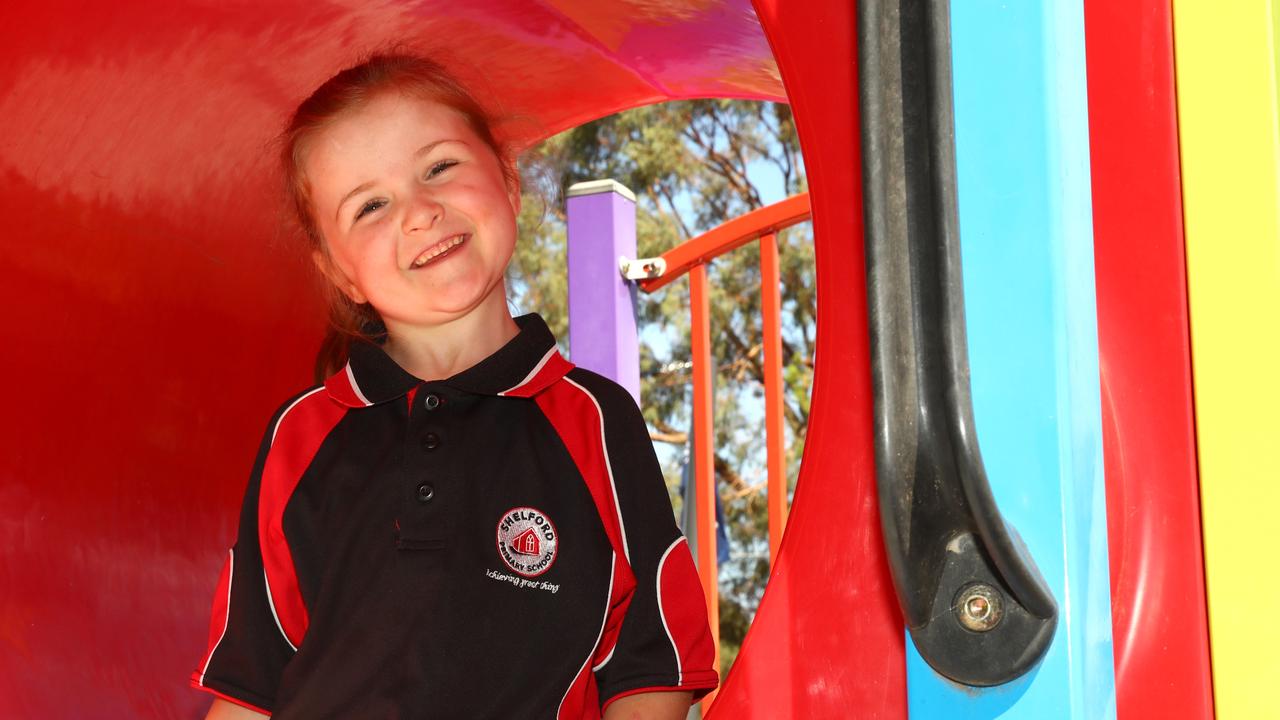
(688, 164)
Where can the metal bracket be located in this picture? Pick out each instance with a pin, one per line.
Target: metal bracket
(641, 268)
(975, 604)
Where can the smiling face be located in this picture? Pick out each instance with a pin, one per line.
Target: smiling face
(414, 208)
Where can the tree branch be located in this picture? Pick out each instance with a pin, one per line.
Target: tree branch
(727, 475)
(671, 203)
(716, 161)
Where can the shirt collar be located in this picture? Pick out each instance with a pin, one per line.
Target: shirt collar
(526, 365)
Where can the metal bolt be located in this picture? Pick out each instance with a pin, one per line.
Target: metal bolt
(979, 607)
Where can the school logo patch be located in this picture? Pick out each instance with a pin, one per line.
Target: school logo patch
(527, 541)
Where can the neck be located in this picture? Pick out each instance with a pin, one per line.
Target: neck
(435, 352)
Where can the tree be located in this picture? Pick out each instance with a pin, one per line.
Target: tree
(693, 165)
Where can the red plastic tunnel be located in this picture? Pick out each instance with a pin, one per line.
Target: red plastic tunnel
(158, 312)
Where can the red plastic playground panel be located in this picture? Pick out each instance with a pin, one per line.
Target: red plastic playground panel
(1157, 575)
(161, 314)
(827, 640)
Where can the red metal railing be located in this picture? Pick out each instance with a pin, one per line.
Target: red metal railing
(691, 257)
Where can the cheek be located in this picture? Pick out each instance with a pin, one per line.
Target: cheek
(503, 234)
(502, 216)
(342, 257)
(356, 263)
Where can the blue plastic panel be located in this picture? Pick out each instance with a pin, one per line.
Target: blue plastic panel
(1027, 246)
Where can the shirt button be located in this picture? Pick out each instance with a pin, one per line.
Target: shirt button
(431, 401)
(430, 441)
(425, 493)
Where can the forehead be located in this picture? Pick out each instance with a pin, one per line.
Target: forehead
(395, 111)
(385, 130)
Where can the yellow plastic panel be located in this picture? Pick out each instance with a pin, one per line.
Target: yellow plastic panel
(1230, 144)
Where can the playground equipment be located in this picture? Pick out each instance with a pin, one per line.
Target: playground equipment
(1106, 231)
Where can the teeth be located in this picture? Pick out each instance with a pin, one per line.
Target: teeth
(438, 249)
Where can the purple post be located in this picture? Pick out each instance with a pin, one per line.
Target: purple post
(602, 318)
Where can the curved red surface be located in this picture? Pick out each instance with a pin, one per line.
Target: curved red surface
(1160, 630)
(163, 314)
(827, 641)
(157, 312)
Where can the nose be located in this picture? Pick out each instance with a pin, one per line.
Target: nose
(423, 213)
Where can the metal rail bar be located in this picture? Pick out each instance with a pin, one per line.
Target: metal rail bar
(728, 236)
(691, 258)
(703, 450)
(775, 441)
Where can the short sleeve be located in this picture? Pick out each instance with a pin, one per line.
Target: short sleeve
(664, 642)
(247, 650)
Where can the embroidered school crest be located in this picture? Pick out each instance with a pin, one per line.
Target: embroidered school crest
(527, 541)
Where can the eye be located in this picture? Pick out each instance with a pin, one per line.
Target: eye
(369, 207)
(440, 167)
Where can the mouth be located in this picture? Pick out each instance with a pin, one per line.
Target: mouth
(440, 249)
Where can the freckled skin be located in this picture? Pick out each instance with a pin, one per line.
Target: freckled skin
(411, 202)
(420, 175)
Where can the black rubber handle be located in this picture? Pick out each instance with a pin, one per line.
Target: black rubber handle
(975, 604)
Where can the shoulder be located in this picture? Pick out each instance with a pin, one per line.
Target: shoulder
(296, 409)
(601, 403)
(585, 403)
(613, 401)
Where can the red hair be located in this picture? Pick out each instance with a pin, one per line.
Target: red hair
(349, 90)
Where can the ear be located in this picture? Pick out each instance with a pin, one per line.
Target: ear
(338, 278)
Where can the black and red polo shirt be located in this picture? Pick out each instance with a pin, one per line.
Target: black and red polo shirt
(496, 544)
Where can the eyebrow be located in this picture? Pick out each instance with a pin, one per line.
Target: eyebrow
(366, 185)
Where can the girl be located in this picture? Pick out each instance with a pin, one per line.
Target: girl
(458, 523)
